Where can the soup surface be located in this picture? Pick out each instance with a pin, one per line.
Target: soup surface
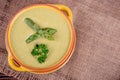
(45, 17)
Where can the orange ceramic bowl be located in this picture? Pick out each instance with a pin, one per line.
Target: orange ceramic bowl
(16, 64)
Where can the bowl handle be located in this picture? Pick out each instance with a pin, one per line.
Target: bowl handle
(65, 9)
(14, 65)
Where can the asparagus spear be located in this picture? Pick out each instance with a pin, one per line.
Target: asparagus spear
(40, 32)
(32, 24)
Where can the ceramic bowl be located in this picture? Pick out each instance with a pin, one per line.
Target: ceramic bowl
(16, 64)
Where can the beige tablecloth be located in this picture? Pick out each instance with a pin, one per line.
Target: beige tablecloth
(97, 53)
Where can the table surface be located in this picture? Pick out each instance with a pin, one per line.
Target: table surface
(97, 52)
(5, 77)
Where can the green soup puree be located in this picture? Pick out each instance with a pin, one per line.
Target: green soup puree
(45, 17)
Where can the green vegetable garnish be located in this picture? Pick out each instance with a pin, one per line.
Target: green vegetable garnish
(49, 31)
(49, 37)
(41, 51)
(32, 24)
(40, 32)
(32, 37)
(41, 59)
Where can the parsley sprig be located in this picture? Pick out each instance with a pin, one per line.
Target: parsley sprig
(41, 51)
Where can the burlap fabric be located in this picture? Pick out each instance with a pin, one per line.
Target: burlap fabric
(97, 53)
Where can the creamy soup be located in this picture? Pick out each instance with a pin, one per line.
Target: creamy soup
(45, 17)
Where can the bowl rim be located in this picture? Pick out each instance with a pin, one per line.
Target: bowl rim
(62, 61)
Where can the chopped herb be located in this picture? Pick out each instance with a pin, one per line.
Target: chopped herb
(41, 59)
(41, 51)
